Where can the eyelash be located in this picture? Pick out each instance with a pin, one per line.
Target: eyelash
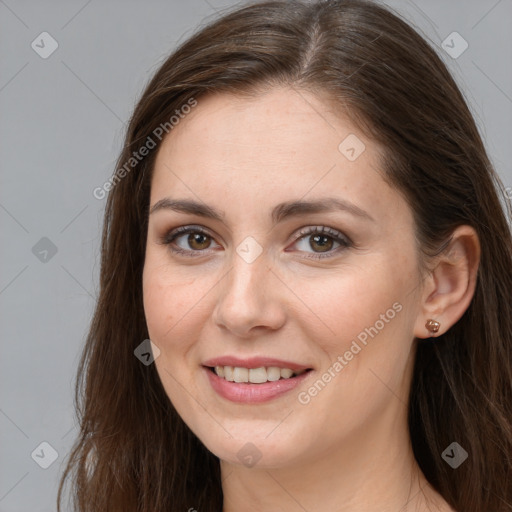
(338, 237)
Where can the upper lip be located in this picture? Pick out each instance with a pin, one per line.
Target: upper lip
(254, 362)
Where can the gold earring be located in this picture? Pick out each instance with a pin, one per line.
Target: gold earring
(432, 325)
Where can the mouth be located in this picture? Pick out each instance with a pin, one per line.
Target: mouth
(259, 375)
(254, 385)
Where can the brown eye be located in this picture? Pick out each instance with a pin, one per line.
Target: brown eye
(198, 241)
(319, 241)
(188, 240)
(322, 242)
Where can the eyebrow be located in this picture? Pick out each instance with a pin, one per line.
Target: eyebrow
(279, 213)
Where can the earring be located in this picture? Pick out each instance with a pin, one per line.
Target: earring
(432, 325)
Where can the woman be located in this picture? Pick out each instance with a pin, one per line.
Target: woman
(305, 224)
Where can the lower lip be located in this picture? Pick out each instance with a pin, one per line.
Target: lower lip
(245, 392)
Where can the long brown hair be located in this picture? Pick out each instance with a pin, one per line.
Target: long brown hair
(134, 452)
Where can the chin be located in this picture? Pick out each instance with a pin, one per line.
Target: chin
(249, 448)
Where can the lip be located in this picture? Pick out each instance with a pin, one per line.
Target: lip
(245, 392)
(254, 362)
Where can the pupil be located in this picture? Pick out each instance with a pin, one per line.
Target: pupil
(197, 238)
(321, 240)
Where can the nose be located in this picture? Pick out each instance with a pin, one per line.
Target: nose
(250, 298)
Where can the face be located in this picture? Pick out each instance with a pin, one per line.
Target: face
(246, 279)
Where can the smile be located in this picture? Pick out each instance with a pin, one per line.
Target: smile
(253, 385)
(255, 375)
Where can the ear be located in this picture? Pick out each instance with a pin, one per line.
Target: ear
(450, 285)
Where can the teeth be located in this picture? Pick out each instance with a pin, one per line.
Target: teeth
(255, 375)
(273, 373)
(286, 373)
(240, 374)
(228, 373)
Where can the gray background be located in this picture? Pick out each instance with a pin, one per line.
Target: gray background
(61, 127)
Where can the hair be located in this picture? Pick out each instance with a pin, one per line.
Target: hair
(134, 452)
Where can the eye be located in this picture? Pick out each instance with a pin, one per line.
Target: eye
(322, 240)
(193, 241)
(196, 241)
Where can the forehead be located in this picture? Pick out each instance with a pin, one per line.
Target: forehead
(252, 153)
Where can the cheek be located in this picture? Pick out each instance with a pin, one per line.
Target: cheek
(366, 317)
(172, 310)
(169, 298)
(340, 307)
(177, 307)
(161, 308)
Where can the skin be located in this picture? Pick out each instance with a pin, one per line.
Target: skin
(348, 448)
